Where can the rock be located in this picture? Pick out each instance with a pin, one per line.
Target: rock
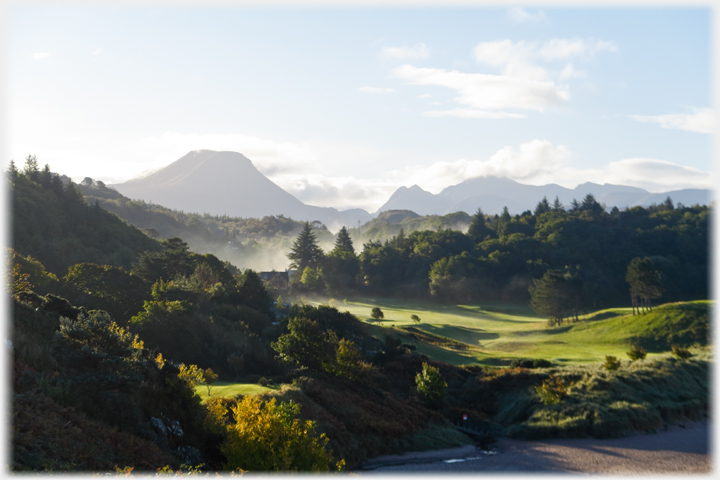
(159, 427)
(189, 456)
(173, 427)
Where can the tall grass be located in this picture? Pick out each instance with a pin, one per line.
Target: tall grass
(640, 395)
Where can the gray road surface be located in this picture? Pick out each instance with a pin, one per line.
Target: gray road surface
(676, 451)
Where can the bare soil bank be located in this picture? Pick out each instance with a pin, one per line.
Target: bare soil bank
(675, 451)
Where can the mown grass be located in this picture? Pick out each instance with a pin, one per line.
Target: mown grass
(230, 389)
(496, 333)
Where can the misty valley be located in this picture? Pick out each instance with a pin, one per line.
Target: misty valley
(202, 319)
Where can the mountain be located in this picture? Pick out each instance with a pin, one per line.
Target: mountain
(227, 183)
(493, 193)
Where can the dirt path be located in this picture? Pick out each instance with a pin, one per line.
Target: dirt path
(678, 450)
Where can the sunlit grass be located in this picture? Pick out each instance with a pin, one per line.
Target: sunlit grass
(496, 333)
(230, 389)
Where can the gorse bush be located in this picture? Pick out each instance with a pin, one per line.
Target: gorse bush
(552, 390)
(268, 436)
(681, 352)
(611, 363)
(530, 363)
(637, 353)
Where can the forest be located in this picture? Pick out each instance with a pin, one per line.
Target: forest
(114, 330)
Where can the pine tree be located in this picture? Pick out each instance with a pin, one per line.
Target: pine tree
(305, 251)
(645, 282)
(12, 171)
(557, 205)
(344, 243)
(478, 229)
(542, 207)
(31, 170)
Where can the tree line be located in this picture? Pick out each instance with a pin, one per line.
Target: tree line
(584, 250)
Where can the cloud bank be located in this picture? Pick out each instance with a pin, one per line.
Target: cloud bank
(701, 120)
(524, 82)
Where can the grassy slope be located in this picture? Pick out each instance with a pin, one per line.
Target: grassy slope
(494, 334)
(229, 389)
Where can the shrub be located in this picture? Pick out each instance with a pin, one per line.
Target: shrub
(530, 363)
(552, 390)
(268, 436)
(611, 363)
(431, 385)
(636, 353)
(264, 382)
(681, 352)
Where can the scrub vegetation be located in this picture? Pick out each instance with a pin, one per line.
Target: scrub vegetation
(135, 353)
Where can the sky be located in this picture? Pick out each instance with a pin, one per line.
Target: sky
(340, 106)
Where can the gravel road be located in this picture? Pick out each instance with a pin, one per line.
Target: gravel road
(679, 450)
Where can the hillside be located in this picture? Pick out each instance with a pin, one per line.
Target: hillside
(53, 223)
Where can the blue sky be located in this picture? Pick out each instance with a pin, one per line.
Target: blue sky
(340, 106)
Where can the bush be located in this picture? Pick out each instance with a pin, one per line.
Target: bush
(530, 363)
(431, 385)
(264, 382)
(636, 353)
(552, 390)
(611, 363)
(268, 436)
(681, 352)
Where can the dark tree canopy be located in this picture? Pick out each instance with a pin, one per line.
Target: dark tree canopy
(645, 282)
(478, 229)
(542, 207)
(556, 295)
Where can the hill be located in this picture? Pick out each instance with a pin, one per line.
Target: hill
(491, 194)
(53, 224)
(227, 183)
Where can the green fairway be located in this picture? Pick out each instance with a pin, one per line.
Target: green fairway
(228, 389)
(496, 333)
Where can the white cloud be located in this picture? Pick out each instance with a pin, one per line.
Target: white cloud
(337, 192)
(565, 48)
(513, 56)
(519, 59)
(539, 162)
(569, 72)
(520, 15)
(487, 94)
(701, 120)
(425, 95)
(656, 175)
(403, 53)
(469, 113)
(40, 55)
(375, 90)
(96, 52)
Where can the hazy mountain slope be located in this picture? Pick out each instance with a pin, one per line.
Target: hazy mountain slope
(493, 193)
(227, 183)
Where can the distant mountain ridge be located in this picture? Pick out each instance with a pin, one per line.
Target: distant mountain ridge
(227, 183)
(491, 194)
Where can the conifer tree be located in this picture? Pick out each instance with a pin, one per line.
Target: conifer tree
(478, 229)
(542, 207)
(344, 243)
(305, 251)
